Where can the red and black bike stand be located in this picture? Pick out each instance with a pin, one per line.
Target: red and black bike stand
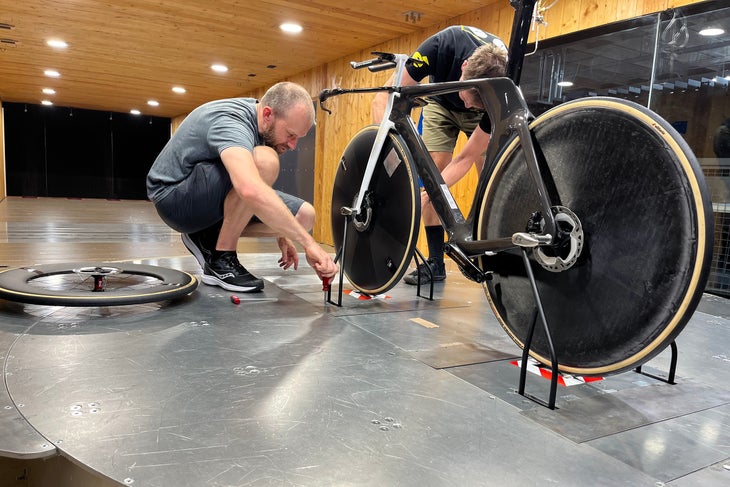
(672, 368)
(340, 257)
(539, 313)
(339, 291)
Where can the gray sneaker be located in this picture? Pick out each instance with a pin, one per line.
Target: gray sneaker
(438, 273)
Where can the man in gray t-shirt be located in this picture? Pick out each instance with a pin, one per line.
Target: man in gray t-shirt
(212, 182)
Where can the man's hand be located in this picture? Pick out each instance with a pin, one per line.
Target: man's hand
(289, 254)
(321, 262)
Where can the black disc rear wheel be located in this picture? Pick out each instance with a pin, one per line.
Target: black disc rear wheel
(645, 235)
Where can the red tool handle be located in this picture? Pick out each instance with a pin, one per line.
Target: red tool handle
(326, 283)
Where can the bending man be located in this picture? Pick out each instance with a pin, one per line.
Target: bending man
(215, 174)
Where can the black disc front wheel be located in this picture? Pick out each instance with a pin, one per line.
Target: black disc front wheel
(94, 284)
(381, 238)
(637, 224)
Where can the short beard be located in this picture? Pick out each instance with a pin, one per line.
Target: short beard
(268, 138)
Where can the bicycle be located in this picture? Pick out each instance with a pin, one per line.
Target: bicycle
(592, 218)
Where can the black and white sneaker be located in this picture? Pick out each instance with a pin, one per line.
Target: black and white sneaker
(227, 272)
(201, 244)
(437, 273)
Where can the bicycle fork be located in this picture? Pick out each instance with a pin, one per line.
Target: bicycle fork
(386, 125)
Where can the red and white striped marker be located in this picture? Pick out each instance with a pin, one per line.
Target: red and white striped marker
(534, 367)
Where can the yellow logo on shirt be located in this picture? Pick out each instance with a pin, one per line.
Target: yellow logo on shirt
(419, 57)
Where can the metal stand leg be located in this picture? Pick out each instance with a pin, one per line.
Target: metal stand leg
(340, 257)
(539, 312)
(672, 368)
(420, 259)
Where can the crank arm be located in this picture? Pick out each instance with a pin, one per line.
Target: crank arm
(530, 240)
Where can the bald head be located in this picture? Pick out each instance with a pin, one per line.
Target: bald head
(284, 96)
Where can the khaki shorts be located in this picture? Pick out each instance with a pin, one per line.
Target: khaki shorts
(441, 127)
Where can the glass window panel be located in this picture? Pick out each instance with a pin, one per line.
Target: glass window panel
(615, 60)
(691, 92)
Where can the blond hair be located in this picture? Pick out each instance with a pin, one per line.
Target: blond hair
(487, 61)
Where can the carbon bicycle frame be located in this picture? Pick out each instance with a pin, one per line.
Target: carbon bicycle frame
(510, 117)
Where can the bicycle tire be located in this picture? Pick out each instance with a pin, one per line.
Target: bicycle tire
(647, 224)
(69, 284)
(381, 240)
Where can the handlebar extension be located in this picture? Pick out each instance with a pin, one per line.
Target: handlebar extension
(383, 58)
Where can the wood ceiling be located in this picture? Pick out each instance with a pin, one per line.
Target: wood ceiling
(123, 53)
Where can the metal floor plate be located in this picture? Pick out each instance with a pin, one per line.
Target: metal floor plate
(18, 439)
(283, 390)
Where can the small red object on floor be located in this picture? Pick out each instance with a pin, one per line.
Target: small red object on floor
(235, 299)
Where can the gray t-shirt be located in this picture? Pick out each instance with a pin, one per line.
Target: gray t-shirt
(202, 136)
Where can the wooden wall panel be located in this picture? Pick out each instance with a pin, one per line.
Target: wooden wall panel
(570, 17)
(650, 6)
(626, 9)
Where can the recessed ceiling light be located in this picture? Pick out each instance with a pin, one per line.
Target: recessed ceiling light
(153, 103)
(46, 102)
(178, 89)
(57, 43)
(219, 68)
(712, 31)
(565, 83)
(49, 91)
(134, 111)
(291, 27)
(51, 73)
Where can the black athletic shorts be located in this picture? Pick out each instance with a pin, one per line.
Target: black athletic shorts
(197, 202)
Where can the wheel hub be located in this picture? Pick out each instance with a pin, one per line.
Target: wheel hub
(98, 274)
(362, 219)
(565, 254)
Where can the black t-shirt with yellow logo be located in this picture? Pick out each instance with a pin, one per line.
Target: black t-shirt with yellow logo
(441, 57)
